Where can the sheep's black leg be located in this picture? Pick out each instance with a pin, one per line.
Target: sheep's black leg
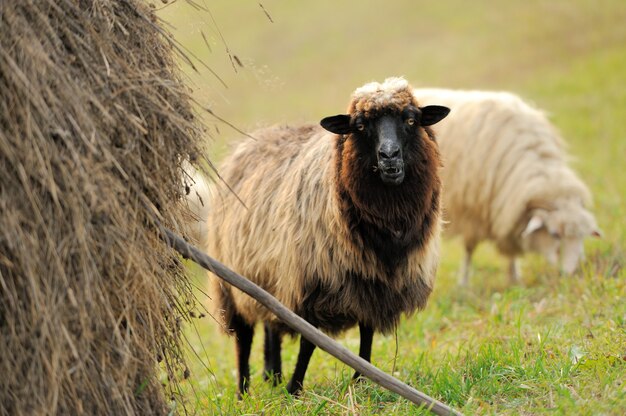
(271, 350)
(365, 350)
(243, 342)
(304, 356)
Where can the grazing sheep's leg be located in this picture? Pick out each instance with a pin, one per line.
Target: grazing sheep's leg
(304, 356)
(514, 273)
(365, 350)
(271, 350)
(466, 265)
(243, 343)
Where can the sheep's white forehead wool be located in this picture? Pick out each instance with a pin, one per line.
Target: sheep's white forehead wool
(394, 93)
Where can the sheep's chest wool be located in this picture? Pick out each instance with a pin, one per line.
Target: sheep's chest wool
(341, 222)
(360, 300)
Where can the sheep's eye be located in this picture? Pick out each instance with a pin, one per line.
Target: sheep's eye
(410, 121)
(360, 126)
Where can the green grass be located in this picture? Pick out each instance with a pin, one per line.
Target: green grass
(555, 345)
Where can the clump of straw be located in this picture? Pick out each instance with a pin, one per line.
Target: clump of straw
(95, 128)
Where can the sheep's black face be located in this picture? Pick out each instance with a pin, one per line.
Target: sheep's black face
(390, 135)
(385, 139)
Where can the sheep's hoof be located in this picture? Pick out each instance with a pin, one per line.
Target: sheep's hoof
(357, 377)
(242, 391)
(275, 378)
(294, 388)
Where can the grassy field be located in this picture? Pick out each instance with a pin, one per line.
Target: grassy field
(556, 345)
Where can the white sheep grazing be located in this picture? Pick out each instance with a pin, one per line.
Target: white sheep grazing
(506, 179)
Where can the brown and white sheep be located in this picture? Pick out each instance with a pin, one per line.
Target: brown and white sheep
(506, 179)
(341, 225)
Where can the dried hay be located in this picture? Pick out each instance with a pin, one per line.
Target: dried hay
(94, 129)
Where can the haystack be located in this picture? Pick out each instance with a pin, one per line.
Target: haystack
(94, 129)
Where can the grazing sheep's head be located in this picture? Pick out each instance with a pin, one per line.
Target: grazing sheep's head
(385, 119)
(558, 234)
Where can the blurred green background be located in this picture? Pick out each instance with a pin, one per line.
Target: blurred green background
(488, 349)
(304, 63)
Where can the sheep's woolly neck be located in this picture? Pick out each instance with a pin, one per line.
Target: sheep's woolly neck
(393, 94)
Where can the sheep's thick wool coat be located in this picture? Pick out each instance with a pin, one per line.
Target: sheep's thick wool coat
(320, 231)
(502, 159)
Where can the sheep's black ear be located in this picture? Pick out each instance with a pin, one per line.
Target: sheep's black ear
(339, 124)
(432, 114)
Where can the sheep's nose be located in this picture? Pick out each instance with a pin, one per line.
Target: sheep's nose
(389, 152)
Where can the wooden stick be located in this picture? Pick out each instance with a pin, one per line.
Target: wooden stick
(307, 330)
